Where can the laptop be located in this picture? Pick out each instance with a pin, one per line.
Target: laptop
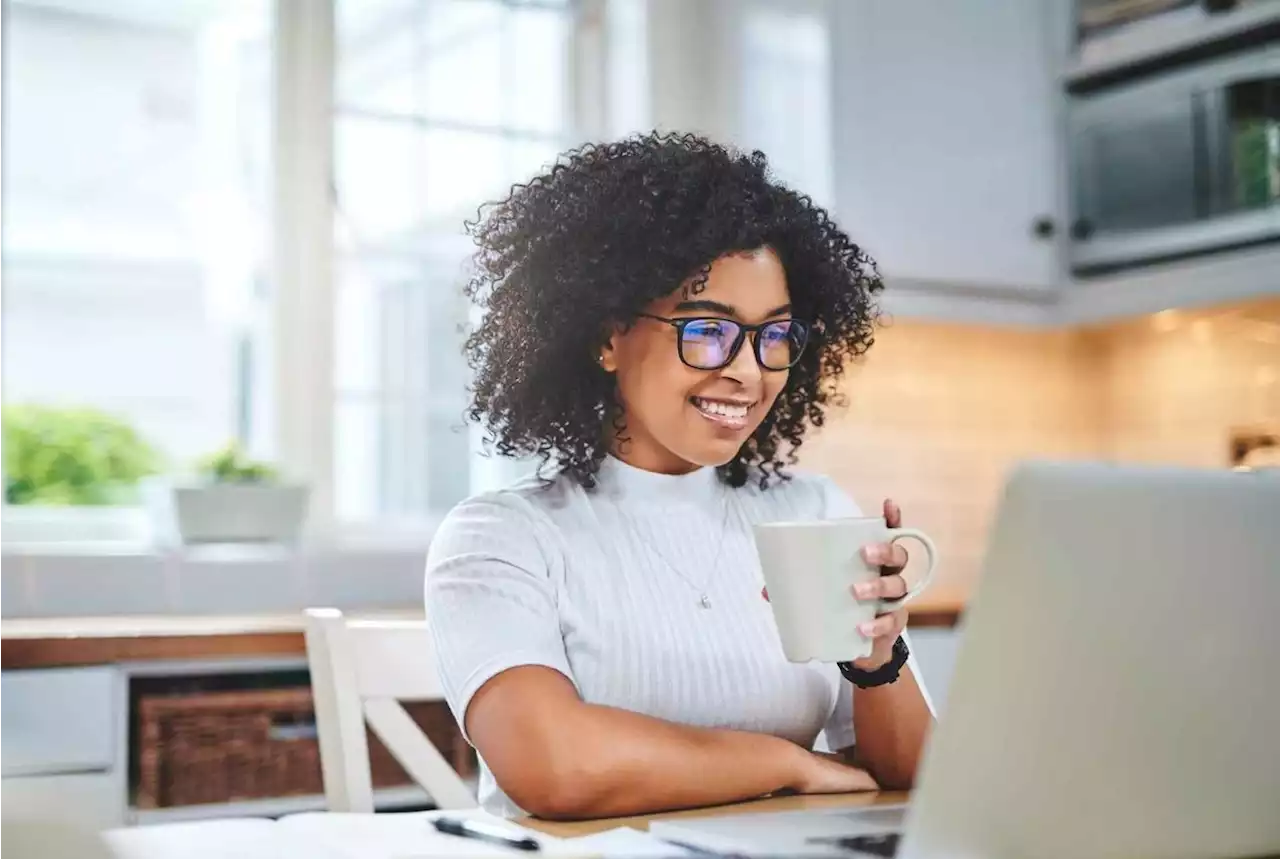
(1116, 691)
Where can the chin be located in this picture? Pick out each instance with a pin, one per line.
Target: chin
(718, 452)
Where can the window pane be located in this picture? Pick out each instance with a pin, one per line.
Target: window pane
(399, 183)
(402, 444)
(443, 105)
(475, 63)
(136, 152)
(786, 96)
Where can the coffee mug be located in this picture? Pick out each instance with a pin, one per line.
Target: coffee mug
(810, 569)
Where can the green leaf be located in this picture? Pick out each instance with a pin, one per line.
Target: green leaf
(71, 456)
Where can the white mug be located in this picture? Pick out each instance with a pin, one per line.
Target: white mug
(810, 569)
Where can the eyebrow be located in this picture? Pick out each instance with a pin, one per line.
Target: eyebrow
(724, 309)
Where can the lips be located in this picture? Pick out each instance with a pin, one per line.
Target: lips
(731, 414)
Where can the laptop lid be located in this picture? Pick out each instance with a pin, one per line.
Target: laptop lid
(1117, 689)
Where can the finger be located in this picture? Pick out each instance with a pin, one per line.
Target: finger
(899, 622)
(764, 592)
(880, 627)
(892, 513)
(892, 555)
(888, 587)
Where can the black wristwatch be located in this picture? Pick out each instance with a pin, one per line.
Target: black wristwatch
(885, 674)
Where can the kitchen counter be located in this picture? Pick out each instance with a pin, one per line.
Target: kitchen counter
(51, 642)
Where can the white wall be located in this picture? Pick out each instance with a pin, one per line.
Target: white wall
(946, 144)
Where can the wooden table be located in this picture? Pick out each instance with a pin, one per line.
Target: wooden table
(56, 642)
(771, 804)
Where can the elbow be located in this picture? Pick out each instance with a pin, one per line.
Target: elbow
(561, 790)
(895, 780)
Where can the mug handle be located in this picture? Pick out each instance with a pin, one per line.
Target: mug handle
(896, 534)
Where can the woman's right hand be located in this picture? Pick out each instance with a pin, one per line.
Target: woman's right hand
(822, 774)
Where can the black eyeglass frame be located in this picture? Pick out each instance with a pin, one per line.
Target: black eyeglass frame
(680, 323)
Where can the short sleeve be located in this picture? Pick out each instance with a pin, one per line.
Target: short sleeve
(490, 601)
(836, 503)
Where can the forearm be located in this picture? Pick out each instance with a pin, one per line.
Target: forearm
(614, 762)
(891, 723)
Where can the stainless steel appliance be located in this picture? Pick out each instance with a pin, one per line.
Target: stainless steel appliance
(1179, 164)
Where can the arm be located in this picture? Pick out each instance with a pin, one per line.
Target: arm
(558, 757)
(892, 723)
(491, 604)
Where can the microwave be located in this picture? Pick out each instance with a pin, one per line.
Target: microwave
(1182, 164)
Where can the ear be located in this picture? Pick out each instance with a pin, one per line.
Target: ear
(608, 357)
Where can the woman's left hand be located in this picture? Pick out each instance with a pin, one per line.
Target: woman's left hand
(885, 629)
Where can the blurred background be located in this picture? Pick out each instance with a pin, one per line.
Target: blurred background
(238, 221)
(233, 255)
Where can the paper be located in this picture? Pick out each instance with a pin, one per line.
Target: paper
(399, 836)
(620, 843)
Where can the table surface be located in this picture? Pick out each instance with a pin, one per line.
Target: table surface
(769, 804)
(51, 642)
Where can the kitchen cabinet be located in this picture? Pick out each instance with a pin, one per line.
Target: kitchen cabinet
(94, 801)
(60, 720)
(947, 130)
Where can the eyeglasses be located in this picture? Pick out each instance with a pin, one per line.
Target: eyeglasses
(710, 343)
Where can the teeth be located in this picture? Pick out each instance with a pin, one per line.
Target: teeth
(724, 409)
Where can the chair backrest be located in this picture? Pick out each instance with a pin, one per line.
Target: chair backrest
(360, 672)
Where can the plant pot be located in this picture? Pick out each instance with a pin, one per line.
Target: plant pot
(239, 512)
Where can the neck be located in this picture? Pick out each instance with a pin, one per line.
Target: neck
(639, 450)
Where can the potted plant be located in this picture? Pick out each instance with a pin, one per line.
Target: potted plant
(72, 456)
(234, 499)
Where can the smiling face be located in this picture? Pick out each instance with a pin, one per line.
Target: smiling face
(678, 418)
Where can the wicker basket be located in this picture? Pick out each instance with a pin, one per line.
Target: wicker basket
(255, 744)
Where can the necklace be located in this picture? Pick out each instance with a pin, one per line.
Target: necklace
(704, 599)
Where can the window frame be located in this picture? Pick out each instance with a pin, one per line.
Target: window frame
(296, 400)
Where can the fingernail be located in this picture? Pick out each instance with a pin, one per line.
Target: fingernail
(865, 629)
(862, 590)
(871, 554)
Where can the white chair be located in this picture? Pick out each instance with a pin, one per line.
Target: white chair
(360, 672)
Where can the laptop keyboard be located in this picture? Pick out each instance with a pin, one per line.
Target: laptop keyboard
(883, 844)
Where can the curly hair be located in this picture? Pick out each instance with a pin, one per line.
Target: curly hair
(608, 229)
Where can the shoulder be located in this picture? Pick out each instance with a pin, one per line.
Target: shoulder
(802, 496)
(512, 521)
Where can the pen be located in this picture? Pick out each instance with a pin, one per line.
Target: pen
(484, 832)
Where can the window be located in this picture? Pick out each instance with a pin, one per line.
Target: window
(440, 105)
(135, 205)
(784, 92)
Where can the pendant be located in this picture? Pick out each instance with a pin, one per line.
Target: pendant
(705, 601)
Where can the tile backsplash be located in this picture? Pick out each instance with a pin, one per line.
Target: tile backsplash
(938, 413)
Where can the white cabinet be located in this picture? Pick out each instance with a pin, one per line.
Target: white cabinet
(63, 741)
(947, 140)
(60, 720)
(93, 801)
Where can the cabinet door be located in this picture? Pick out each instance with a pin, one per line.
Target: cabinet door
(92, 801)
(947, 143)
(61, 720)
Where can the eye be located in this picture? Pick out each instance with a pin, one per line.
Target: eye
(706, 328)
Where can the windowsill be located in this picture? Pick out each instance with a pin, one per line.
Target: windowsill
(128, 531)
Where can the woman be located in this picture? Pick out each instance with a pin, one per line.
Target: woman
(663, 323)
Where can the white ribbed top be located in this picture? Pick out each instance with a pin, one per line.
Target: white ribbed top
(606, 587)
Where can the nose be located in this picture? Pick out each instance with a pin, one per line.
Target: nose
(744, 368)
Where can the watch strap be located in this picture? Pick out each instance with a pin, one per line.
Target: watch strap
(881, 676)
